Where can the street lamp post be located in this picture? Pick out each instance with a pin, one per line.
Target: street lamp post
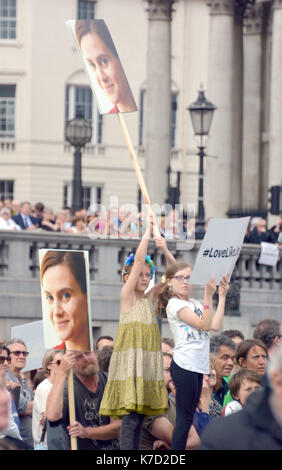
(78, 134)
(201, 113)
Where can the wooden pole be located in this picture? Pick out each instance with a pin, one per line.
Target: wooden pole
(72, 407)
(137, 169)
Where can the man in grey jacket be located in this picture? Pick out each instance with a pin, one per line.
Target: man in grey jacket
(15, 378)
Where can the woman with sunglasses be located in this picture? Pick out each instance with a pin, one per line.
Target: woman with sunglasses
(11, 431)
(50, 364)
(190, 323)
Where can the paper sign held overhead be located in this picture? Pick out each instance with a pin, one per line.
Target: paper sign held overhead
(99, 55)
(219, 250)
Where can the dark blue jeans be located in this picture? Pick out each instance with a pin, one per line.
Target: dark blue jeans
(188, 386)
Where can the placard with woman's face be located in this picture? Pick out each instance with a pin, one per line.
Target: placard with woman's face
(103, 66)
(65, 293)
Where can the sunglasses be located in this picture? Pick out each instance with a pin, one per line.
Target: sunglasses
(18, 353)
(57, 362)
(4, 358)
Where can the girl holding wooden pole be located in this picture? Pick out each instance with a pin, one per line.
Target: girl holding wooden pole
(136, 385)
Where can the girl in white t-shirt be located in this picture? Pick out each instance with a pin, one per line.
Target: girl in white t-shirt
(190, 323)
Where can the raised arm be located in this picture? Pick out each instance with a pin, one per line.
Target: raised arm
(127, 295)
(162, 245)
(55, 400)
(188, 316)
(219, 314)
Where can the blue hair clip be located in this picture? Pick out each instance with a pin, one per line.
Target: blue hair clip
(148, 260)
(153, 268)
(129, 259)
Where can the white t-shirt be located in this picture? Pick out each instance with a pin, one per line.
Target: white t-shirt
(192, 346)
(232, 407)
(39, 407)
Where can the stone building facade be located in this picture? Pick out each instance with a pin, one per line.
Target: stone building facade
(167, 48)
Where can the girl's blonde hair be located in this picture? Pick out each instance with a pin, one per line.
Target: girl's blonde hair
(165, 293)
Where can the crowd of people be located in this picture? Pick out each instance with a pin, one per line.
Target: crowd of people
(259, 232)
(117, 222)
(200, 389)
(244, 375)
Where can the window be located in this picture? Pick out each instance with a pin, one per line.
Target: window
(86, 10)
(91, 194)
(7, 111)
(142, 105)
(6, 189)
(173, 119)
(82, 97)
(142, 121)
(8, 15)
(86, 196)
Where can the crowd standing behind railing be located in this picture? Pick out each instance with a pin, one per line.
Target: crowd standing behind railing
(117, 222)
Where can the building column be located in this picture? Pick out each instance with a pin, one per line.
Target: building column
(252, 75)
(275, 158)
(265, 103)
(218, 174)
(158, 103)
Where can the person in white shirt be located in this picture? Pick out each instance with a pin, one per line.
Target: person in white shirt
(6, 223)
(190, 323)
(51, 362)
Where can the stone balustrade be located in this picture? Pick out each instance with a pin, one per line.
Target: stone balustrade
(255, 293)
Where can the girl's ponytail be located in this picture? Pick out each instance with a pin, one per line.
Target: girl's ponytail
(165, 292)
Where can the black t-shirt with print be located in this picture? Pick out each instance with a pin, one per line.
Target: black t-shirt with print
(87, 406)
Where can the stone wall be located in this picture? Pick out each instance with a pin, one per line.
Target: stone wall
(257, 289)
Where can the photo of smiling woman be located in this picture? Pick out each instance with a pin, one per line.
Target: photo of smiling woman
(94, 42)
(66, 307)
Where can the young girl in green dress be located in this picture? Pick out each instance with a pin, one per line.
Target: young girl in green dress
(135, 386)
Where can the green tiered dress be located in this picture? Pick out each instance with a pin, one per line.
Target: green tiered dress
(135, 379)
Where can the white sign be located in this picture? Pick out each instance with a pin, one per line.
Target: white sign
(219, 250)
(32, 335)
(269, 254)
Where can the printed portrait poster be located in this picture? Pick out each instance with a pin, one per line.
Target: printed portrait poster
(99, 55)
(219, 250)
(65, 293)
